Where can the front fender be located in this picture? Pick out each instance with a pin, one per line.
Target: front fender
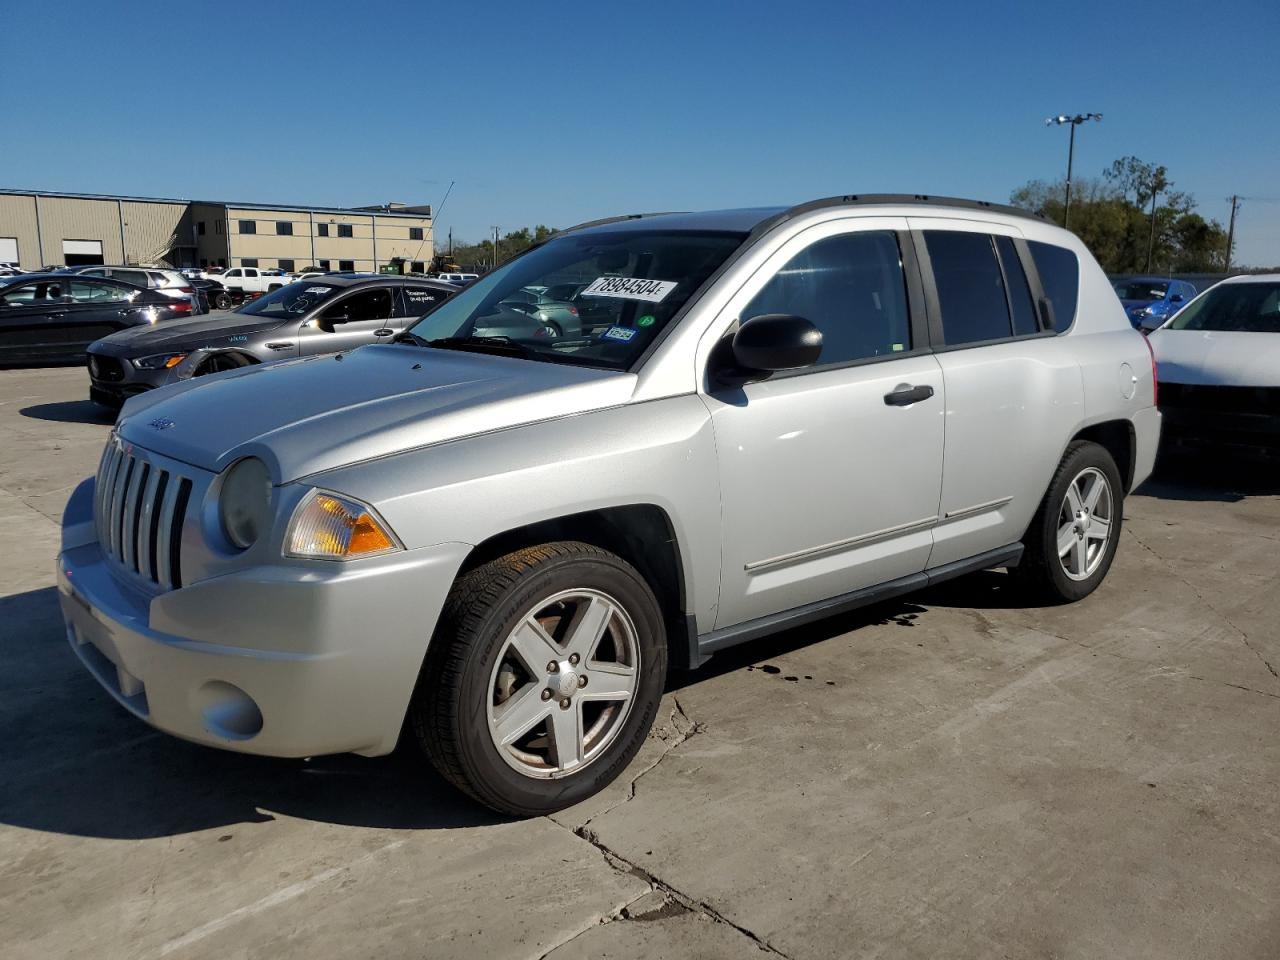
(660, 453)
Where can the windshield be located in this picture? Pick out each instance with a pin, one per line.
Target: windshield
(596, 299)
(1141, 290)
(1236, 307)
(292, 300)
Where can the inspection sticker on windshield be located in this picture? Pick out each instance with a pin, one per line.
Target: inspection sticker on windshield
(317, 289)
(630, 288)
(623, 334)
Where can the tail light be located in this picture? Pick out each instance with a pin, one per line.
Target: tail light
(180, 306)
(574, 311)
(186, 290)
(1155, 378)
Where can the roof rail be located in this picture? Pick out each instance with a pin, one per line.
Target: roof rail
(860, 199)
(625, 216)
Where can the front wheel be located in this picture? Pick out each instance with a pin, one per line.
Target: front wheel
(1072, 541)
(543, 678)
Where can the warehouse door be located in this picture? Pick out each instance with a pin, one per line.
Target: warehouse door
(8, 249)
(82, 253)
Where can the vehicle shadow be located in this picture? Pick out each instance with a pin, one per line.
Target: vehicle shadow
(70, 411)
(74, 762)
(1211, 476)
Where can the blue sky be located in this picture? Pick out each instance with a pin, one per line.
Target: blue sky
(556, 113)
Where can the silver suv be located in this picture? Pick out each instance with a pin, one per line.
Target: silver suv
(507, 541)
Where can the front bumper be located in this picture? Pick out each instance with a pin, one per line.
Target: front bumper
(1245, 420)
(287, 661)
(113, 379)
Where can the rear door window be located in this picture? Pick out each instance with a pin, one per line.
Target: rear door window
(86, 291)
(1059, 278)
(415, 301)
(1021, 305)
(851, 287)
(971, 294)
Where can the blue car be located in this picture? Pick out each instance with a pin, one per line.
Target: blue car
(1150, 301)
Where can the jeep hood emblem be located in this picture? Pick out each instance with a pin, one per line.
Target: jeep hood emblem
(161, 423)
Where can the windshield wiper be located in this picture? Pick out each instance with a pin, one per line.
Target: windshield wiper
(404, 336)
(502, 346)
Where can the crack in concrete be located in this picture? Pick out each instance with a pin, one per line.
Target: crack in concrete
(1192, 587)
(1154, 663)
(623, 865)
(685, 728)
(618, 913)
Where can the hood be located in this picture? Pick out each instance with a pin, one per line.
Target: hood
(318, 413)
(211, 329)
(1226, 358)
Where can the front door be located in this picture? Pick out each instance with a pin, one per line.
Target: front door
(97, 308)
(33, 322)
(829, 482)
(354, 320)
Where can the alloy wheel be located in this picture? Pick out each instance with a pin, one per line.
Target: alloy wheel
(1085, 523)
(563, 684)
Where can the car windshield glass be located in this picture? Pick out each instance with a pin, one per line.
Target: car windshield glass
(291, 300)
(1141, 290)
(1237, 307)
(614, 291)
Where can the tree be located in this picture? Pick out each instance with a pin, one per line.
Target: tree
(480, 256)
(1113, 217)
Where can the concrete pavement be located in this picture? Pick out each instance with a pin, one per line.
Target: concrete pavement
(952, 775)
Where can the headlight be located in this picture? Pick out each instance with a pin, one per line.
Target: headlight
(244, 506)
(159, 361)
(327, 526)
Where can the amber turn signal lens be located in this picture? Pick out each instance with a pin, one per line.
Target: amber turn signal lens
(174, 360)
(329, 527)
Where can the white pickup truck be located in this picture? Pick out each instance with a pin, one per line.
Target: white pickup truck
(253, 280)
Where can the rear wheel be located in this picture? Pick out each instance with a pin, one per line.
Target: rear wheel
(543, 679)
(222, 301)
(1072, 541)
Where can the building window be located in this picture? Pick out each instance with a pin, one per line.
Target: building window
(346, 266)
(286, 265)
(200, 228)
(324, 265)
(419, 267)
(248, 226)
(415, 233)
(219, 226)
(344, 230)
(284, 228)
(248, 261)
(222, 262)
(204, 262)
(323, 229)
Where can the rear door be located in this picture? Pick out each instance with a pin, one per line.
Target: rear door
(1012, 391)
(97, 308)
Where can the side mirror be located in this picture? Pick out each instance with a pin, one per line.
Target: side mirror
(776, 341)
(1147, 324)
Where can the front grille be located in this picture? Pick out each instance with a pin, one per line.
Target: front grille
(1216, 399)
(107, 369)
(139, 512)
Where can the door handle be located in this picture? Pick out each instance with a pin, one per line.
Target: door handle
(384, 332)
(904, 394)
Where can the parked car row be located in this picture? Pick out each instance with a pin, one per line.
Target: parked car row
(1150, 301)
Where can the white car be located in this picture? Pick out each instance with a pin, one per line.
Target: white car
(253, 280)
(1219, 366)
(458, 277)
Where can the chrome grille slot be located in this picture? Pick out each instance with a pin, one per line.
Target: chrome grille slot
(140, 509)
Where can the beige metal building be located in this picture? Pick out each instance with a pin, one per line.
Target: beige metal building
(39, 229)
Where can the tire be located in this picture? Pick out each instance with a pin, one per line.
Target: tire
(1045, 573)
(222, 301)
(479, 685)
(220, 362)
(553, 329)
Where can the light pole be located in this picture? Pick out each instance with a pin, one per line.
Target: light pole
(1075, 121)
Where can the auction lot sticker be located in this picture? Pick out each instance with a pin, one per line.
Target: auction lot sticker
(630, 288)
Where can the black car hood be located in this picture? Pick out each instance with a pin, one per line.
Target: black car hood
(212, 329)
